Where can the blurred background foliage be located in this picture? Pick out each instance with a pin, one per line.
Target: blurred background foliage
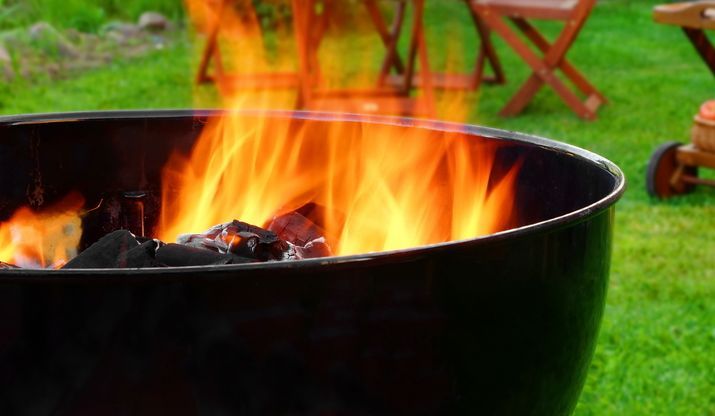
(82, 15)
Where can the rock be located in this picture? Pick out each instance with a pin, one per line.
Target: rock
(126, 30)
(52, 69)
(68, 50)
(4, 55)
(116, 37)
(80, 39)
(25, 72)
(39, 30)
(8, 72)
(153, 22)
(158, 41)
(51, 39)
(13, 39)
(73, 35)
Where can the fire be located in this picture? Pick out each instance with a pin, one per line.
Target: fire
(384, 187)
(42, 239)
(381, 186)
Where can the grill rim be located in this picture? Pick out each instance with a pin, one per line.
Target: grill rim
(551, 224)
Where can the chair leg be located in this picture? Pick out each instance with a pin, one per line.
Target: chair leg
(532, 85)
(411, 55)
(702, 45)
(306, 26)
(319, 24)
(302, 19)
(565, 66)
(543, 67)
(218, 62)
(211, 48)
(486, 54)
(554, 58)
(389, 37)
(522, 97)
(425, 69)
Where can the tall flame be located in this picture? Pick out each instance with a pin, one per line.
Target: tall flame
(384, 187)
(47, 238)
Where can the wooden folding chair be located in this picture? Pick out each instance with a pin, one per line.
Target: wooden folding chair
(486, 55)
(396, 99)
(310, 20)
(211, 49)
(693, 17)
(211, 57)
(574, 14)
(392, 71)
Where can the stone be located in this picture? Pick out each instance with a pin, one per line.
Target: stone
(4, 54)
(116, 37)
(6, 69)
(126, 30)
(153, 22)
(68, 50)
(40, 30)
(50, 38)
(13, 39)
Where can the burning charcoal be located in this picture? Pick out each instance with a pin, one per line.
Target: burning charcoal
(314, 212)
(252, 242)
(295, 228)
(4, 265)
(314, 249)
(239, 238)
(177, 255)
(143, 255)
(105, 253)
(321, 216)
(307, 237)
(209, 239)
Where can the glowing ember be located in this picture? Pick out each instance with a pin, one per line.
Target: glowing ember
(42, 239)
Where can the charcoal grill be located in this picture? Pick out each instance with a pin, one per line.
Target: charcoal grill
(500, 324)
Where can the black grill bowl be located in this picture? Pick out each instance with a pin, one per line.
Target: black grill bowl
(502, 324)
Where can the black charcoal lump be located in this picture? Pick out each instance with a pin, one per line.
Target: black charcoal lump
(110, 251)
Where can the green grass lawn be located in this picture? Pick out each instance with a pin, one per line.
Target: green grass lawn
(656, 351)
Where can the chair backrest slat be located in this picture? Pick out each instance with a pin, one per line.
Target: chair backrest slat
(540, 9)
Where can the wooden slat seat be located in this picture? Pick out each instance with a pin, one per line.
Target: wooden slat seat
(696, 15)
(693, 17)
(582, 97)
(532, 9)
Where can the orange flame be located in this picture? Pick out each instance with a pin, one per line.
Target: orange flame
(42, 239)
(384, 187)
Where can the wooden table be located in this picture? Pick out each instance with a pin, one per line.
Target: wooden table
(673, 166)
(694, 18)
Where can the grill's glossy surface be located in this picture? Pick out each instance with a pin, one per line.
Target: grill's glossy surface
(503, 324)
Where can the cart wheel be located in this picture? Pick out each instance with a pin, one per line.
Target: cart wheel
(661, 168)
